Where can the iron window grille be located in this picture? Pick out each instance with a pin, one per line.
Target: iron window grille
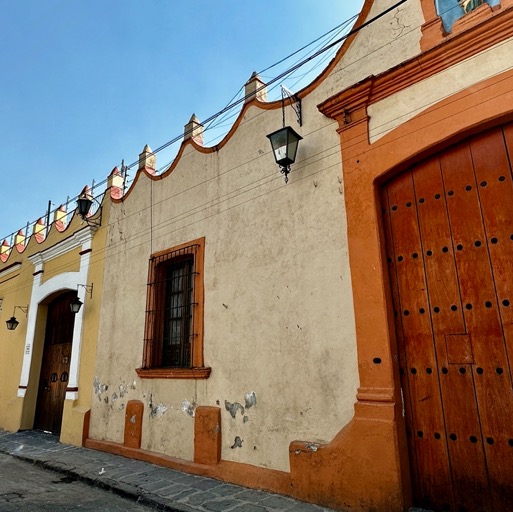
(170, 312)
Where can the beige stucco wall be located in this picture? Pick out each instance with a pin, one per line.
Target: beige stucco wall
(278, 302)
(381, 45)
(398, 108)
(278, 316)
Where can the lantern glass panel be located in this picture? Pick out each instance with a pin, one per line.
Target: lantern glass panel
(75, 305)
(284, 143)
(12, 323)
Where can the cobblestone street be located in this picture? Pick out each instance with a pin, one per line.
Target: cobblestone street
(29, 488)
(144, 483)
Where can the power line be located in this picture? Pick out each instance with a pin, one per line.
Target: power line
(268, 179)
(338, 70)
(272, 81)
(195, 210)
(116, 249)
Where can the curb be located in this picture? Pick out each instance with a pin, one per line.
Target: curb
(124, 490)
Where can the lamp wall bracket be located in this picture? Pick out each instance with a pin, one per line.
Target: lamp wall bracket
(88, 287)
(23, 308)
(295, 103)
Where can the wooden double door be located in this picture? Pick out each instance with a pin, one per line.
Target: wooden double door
(54, 375)
(449, 232)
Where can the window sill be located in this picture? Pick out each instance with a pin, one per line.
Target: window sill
(174, 373)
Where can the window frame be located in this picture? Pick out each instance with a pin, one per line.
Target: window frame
(435, 32)
(159, 262)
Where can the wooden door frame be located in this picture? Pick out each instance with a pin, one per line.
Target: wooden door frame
(378, 411)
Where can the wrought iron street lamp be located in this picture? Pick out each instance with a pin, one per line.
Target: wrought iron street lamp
(76, 303)
(284, 143)
(285, 140)
(84, 203)
(12, 323)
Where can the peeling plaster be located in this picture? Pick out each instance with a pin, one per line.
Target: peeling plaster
(96, 385)
(245, 419)
(189, 407)
(100, 389)
(312, 447)
(237, 443)
(233, 408)
(156, 409)
(250, 399)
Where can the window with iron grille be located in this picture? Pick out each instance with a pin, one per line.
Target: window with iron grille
(173, 339)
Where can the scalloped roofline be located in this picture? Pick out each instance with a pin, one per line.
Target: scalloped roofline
(255, 102)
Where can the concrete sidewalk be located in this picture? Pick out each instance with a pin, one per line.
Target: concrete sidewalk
(155, 486)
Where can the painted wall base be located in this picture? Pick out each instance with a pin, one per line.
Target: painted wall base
(359, 470)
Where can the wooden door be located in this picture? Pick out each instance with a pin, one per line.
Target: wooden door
(55, 364)
(449, 232)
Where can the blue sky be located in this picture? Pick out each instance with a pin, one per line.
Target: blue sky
(85, 84)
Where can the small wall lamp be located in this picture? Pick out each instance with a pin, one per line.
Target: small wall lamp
(76, 303)
(12, 323)
(84, 202)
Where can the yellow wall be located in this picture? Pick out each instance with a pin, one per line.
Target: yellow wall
(69, 262)
(16, 288)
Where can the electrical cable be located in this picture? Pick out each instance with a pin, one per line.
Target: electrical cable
(337, 145)
(119, 248)
(276, 79)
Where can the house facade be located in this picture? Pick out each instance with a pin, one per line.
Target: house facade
(343, 338)
(48, 351)
(226, 343)
(427, 151)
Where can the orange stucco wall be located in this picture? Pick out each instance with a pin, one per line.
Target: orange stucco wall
(365, 167)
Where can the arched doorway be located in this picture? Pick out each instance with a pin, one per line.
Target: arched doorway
(55, 364)
(449, 230)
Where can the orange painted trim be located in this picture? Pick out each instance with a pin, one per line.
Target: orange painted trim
(362, 17)
(236, 473)
(199, 242)
(207, 435)
(198, 370)
(455, 50)
(174, 373)
(365, 166)
(133, 424)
